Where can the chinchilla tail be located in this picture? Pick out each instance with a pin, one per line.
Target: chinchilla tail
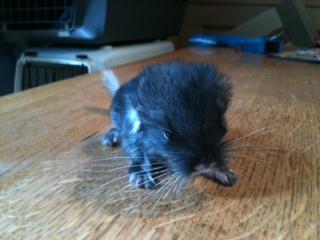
(110, 81)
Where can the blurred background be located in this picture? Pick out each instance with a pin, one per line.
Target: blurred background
(45, 41)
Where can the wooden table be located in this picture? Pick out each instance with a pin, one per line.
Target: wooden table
(57, 182)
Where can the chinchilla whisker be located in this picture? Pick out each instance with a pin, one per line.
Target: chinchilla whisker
(124, 157)
(94, 165)
(118, 157)
(69, 162)
(247, 146)
(95, 178)
(253, 133)
(62, 160)
(176, 189)
(92, 168)
(110, 170)
(167, 181)
(148, 195)
(97, 159)
(140, 201)
(160, 182)
(176, 186)
(101, 188)
(167, 187)
(167, 214)
(259, 152)
(172, 187)
(172, 180)
(156, 201)
(158, 196)
(181, 208)
(130, 185)
(119, 178)
(166, 169)
(260, 147)
(182, 184)
(251, 158)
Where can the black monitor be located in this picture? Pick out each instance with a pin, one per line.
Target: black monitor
(89, 22)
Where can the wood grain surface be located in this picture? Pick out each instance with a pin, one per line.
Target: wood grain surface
(58, 182)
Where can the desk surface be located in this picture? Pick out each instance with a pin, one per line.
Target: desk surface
(57, 182)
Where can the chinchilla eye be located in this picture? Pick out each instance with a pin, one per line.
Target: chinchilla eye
(166, 135)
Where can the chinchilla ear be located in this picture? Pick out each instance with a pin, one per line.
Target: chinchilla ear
(223, 93)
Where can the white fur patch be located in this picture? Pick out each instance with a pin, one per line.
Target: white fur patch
(134, 119)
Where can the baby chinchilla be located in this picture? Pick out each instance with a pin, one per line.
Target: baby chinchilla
(172, 115)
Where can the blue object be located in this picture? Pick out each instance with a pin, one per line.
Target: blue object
(252, 45)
